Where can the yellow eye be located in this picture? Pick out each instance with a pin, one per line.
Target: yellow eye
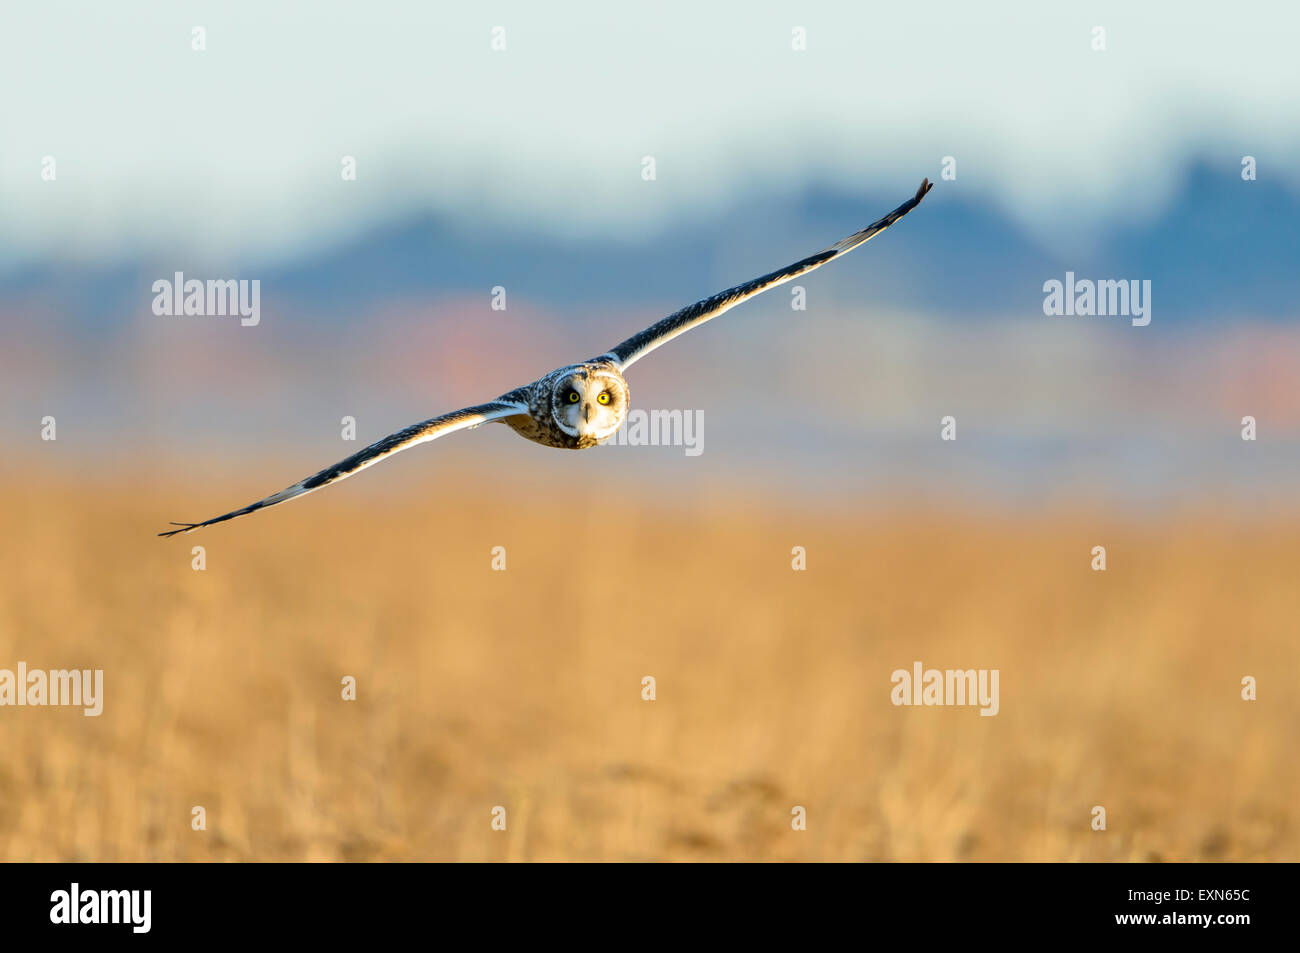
(604, 397)
(573, 396)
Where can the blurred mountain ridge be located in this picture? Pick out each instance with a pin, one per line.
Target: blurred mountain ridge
(1223, 248)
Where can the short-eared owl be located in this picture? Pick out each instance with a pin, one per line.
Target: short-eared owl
(572, 407)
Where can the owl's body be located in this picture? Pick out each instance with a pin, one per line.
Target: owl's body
(576, 406)
(553, 421)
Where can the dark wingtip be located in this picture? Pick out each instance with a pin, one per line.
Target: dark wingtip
(926, 186)
(184, 528)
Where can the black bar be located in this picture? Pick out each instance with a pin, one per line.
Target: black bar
(332, 902)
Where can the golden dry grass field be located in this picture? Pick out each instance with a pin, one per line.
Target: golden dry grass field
(522, 688)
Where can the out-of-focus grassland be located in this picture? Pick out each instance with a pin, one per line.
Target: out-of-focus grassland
(523, 688)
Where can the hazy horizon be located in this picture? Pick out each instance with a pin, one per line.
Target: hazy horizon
(238, 152)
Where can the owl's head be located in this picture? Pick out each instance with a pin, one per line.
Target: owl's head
(589, 402)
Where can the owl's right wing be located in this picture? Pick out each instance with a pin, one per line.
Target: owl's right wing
(639, 345)
(431, 429)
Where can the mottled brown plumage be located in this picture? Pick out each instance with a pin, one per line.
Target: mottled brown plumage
(548, 406)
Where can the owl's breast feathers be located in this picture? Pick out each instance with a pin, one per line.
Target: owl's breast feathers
(539, 423)
(537, 426)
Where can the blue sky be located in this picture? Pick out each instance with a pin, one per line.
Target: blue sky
(236, 150)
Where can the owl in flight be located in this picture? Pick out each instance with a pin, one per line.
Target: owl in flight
(572, 407)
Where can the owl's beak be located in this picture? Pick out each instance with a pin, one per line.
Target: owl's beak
(586, 413)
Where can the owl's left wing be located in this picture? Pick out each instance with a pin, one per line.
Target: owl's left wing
(431, 429)
(638, 346)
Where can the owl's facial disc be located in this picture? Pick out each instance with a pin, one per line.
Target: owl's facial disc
(590, 403)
